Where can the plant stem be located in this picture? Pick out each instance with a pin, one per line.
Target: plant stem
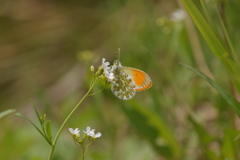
(83, 152)
(61, 128)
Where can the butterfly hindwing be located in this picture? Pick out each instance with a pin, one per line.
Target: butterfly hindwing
(124, 87)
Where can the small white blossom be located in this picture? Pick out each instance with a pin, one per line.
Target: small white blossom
(109, 75)
(97, 135)
(107, 70)
(75, 132)
(91, 133)
(105, 64)
(88, 131)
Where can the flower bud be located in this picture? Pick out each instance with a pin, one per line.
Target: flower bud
(92, 69)
(100, 71)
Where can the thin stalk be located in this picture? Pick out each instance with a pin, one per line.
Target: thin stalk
(83, 153)
(61, 128)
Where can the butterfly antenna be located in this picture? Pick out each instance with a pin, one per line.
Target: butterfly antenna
(118, 55)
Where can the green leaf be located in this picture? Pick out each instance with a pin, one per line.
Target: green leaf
(153, 128)
(23, 116)
(214, 42)
(6, 112)
(49, 130)
(233, 53)
(211, 38)
(227, 96)
(211, 24)
(38, 116)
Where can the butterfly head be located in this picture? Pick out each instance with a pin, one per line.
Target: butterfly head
(116, 64)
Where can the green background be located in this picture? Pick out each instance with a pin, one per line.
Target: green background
(47, 48)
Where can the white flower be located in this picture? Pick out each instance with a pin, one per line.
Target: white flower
(178, 15)
(91, 133)
(88, 131)
(97, 135)
(107, 70)
(105, 64)
(74, 132)
(109, 75)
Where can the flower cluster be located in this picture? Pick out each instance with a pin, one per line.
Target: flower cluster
(105, 72)
(88, 137)
(108, 70)
(91, 133)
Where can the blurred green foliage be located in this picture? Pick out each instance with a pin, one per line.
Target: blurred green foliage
(47, 48)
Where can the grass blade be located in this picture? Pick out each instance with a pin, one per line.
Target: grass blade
(214, 42)
(211, 24)
(228, 39)
(211, 38)
(6, 112)
(227, 96)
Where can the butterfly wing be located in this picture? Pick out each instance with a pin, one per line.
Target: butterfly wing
(124, 87)
(141, 79)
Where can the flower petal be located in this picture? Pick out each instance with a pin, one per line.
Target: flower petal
(98, 135)
(71, 130)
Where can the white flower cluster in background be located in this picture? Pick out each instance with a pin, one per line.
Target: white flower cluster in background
(178, 15)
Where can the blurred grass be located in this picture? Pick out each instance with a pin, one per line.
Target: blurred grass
(47, 48)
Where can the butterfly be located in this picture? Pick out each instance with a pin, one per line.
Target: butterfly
(128, 81)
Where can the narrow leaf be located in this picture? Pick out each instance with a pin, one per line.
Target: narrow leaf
(49, 130)
(211, 24)
(22, 116)
(233, 53)
(38, 116)
(214, 42)
(6, 112)
(227, 96)
(211, 38)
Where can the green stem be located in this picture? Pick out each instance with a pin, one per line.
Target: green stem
(61, 128)
(83, 152)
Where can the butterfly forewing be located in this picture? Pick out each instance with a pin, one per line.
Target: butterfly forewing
(141, 79)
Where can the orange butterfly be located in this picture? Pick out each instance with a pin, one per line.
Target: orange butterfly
(128, 81)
